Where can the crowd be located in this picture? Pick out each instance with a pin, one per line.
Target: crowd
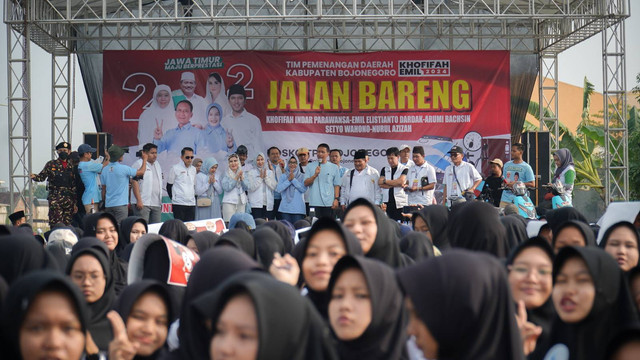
(318, 262)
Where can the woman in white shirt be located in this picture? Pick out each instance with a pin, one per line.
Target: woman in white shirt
(261, 188)
(234, 184)
(208, 187)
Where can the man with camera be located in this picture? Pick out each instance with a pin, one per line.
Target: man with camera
(460, 179)
(421, 179)
(115, 179)
(147, 190)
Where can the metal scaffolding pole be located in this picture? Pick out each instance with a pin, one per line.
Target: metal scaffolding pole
(616, 156)
(548, 95)
(60, 99)
(19, 117)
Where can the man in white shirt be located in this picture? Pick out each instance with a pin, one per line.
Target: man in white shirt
(187, 92)
(460, 177)
(147, 191)
(392, 180)
(421, 180)
(360, 182)
(405, 154)
(181, 184)
(245, 127)
(276, 164)
(303, 159)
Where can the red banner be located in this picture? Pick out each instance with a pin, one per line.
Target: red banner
(366, 100)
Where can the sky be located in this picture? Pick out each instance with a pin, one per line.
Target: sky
(584, 59)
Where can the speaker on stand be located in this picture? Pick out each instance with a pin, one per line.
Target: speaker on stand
(101, 141)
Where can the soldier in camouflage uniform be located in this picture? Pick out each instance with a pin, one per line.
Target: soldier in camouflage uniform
(61, 186)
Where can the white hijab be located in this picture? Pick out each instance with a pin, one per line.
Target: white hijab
(156, 116)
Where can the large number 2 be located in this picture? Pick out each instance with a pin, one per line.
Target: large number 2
(240, 72)
(138, 83)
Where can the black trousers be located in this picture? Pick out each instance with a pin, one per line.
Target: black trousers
(324, 211)
(184, 212)
(259, 213)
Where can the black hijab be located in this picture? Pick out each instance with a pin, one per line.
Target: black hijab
(99, 325)
(176, 230)
(352, 246)
(125, 233)
(125, 302)
(385, 338)
(386, 246)
(476, 226)
(22, 293)
(417, 246)
(516, 228)
(436, 217)
(241, 240)
(630, 335)
(585, 230)
(215, 266)
(205, 240)
(288, 325)
(21, 254)
(118, 266)
(612, 307)
(284, 232)
(557, 217)
(471, 320)
(267, 242)
(543, 315)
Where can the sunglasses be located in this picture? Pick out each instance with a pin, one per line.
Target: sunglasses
(189, 157)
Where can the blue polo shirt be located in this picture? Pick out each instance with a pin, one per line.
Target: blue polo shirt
(89, 171)
(115, 177)
(321, 192)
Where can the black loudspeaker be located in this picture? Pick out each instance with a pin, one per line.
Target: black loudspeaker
(536, 153)
(100, 141)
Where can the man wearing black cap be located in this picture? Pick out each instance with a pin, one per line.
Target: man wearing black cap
(61, 186)
(243, 126)
(361, 182)
(17, 218)
(459, 178)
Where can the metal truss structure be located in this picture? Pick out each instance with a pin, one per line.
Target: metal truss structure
(541, 27)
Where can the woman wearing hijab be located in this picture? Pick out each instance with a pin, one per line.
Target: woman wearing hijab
(572, 233)
(89, 269)
(633, 280)
(530, 267)
(214, 135)
(215, 266)
(516, 228)
(432, 221)
(131, 229)
(317, 254)
(234, 183)
(472, 320)
(40, 306)
(217, 94)
(259, 304)
(565, 171)
(285, 233)
(376, 232)
(366, 310)
(208, 187)
(592, 302)
(202, 241)
(625, 345)
(476, 226)
(621, 240)
(261, 188)
(240, 240)
(417, 246)
(176, 230)
(20, 254)
(161, 114)
(268, 242)
(291, 187)
(557, 217)
(104, 227)
(145, 308)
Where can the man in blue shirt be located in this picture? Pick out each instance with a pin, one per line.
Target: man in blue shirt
(516, 170)
(89, 171)
(323, 180)
(115, 182)
(185, 135)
